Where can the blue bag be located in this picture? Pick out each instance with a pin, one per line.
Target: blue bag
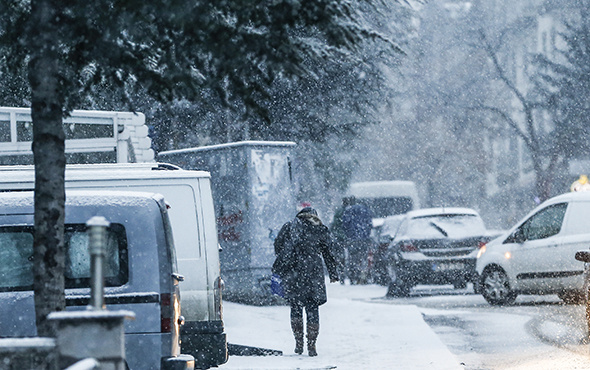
(275, 285)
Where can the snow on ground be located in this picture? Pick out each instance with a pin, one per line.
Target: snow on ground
(355, 333)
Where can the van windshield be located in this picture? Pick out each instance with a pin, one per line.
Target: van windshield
(383, 207)
(16, 257)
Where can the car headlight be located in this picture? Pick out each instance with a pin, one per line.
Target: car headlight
(481, 250)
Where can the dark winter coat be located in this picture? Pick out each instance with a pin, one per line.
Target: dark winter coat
(357, 221)
(299, 247)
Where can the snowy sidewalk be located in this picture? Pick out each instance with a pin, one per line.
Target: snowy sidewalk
(356, 332)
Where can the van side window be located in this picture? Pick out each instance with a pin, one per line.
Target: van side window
(545, 223)
(78, 259)
(16, 257)
(578, 219)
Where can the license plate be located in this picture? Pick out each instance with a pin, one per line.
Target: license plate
(448, 266)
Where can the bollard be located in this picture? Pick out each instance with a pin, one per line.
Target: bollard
(98, 334)
(97, 234)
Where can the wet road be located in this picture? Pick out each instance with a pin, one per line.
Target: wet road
(536, 332)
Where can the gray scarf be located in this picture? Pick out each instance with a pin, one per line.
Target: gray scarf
(309, 217)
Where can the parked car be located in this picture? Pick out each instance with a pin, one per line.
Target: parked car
(536, 256)
(140, 270)
(435, 246)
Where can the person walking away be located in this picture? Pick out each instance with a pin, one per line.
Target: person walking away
(357, 222)
(300, 247)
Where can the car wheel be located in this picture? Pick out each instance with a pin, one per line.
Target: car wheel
(495, 287)
(397, 287)
(571, 297)
(381, 276)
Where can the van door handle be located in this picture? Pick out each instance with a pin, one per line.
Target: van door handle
(178, 277)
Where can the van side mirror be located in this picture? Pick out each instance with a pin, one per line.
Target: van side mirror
(583, 256)
(177, 277)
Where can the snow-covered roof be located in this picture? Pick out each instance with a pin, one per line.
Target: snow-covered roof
(442, 210)
(375, 189)
(22, 177)
(575, 195)
(229, 145)
(23, 200)
(25, 344)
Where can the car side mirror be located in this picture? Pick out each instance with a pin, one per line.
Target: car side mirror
(516, 237)
(583, 256)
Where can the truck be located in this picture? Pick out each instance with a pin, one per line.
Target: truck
(112, 150)
(254, 194)
(91, 137)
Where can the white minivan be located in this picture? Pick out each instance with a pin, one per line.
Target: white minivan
(537, 255)
(192, 218)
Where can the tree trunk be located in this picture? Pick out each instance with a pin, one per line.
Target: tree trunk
(49, 159)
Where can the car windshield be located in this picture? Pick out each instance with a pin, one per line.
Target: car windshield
(449, 225)
(390, 226)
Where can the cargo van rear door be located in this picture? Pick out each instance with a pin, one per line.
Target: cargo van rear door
(17, 306)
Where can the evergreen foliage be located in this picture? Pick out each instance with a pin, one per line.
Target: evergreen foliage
(564, 84)
(175, 48)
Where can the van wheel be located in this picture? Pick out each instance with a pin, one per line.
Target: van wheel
(495, 287)
(571, 297)
(396, 287)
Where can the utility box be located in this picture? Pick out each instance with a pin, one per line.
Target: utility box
(254, 195)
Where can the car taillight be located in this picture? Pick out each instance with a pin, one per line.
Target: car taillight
(166, 313)
(408, 247)
(370, 258)
(481, 244)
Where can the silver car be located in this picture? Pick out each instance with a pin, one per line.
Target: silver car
(435, 246)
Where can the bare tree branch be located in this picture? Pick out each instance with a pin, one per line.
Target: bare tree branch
(506, 117)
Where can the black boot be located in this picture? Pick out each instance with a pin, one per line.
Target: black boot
(297, 327)
(312, 335)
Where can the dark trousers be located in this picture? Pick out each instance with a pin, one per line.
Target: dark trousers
(312, 313)
(358, 260)
(313, 326)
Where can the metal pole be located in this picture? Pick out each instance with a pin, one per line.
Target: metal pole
(97, 235)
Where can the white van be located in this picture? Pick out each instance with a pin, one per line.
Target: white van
(537, 255)
(386, 198)
(192, 217)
